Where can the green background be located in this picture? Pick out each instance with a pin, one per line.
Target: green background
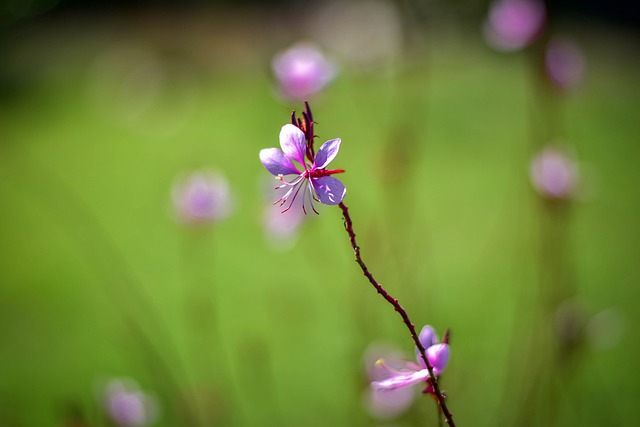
(98, 280)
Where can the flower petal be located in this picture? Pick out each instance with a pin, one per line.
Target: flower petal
(329, 190)
(277, 163)
(387, 404)
(327, 153)
(293, 143)
(401, 379)
(428, 337)
(438, 356)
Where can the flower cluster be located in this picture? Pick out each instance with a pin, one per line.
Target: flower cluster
(311, 175)
(411, 373)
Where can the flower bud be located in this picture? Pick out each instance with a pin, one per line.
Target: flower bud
(438, 356)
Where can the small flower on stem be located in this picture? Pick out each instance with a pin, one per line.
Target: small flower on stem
(311, 176)
(411, 373)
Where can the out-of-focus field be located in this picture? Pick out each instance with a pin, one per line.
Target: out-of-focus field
(97, 279)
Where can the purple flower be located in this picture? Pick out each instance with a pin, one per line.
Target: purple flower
(513, 24)
(302, 71)
(127, 406)
(564, 63)
(554, 174)
(202, 197)
(314, 179)
(411, 373)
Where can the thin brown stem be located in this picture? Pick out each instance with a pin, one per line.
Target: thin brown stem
(348, 224)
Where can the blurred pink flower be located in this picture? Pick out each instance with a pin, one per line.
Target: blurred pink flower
(385, 404)
(514, 24)
(202, 197)
(281, 230)
(564, 63)
(554, 173)
(302, 71)
(127, 406)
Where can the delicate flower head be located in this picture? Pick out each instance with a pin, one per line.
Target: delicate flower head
(564, 63)
(127, 405)
(554, 173)
(411, 373)
(202, 197)
(310, 174)
(302, 71)
(514, 24)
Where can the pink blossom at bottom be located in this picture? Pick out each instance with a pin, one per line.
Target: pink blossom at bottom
(394, 377)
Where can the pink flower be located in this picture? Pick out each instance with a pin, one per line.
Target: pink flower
(314, 179)
(127, 406)
(514, 24)
(411, 373)
(202, 197)
(564, 63)
(302, 71)
(554, 174)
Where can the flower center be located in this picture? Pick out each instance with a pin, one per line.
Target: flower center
(318, 173)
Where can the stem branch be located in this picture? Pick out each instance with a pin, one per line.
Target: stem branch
(348, 224)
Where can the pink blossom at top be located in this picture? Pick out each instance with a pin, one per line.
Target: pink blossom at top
(202, 197)
(514, 24)
(302, 71)
(411, 373)
(554, 173)
(314, 179)
(127, 405)
(564, 63)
